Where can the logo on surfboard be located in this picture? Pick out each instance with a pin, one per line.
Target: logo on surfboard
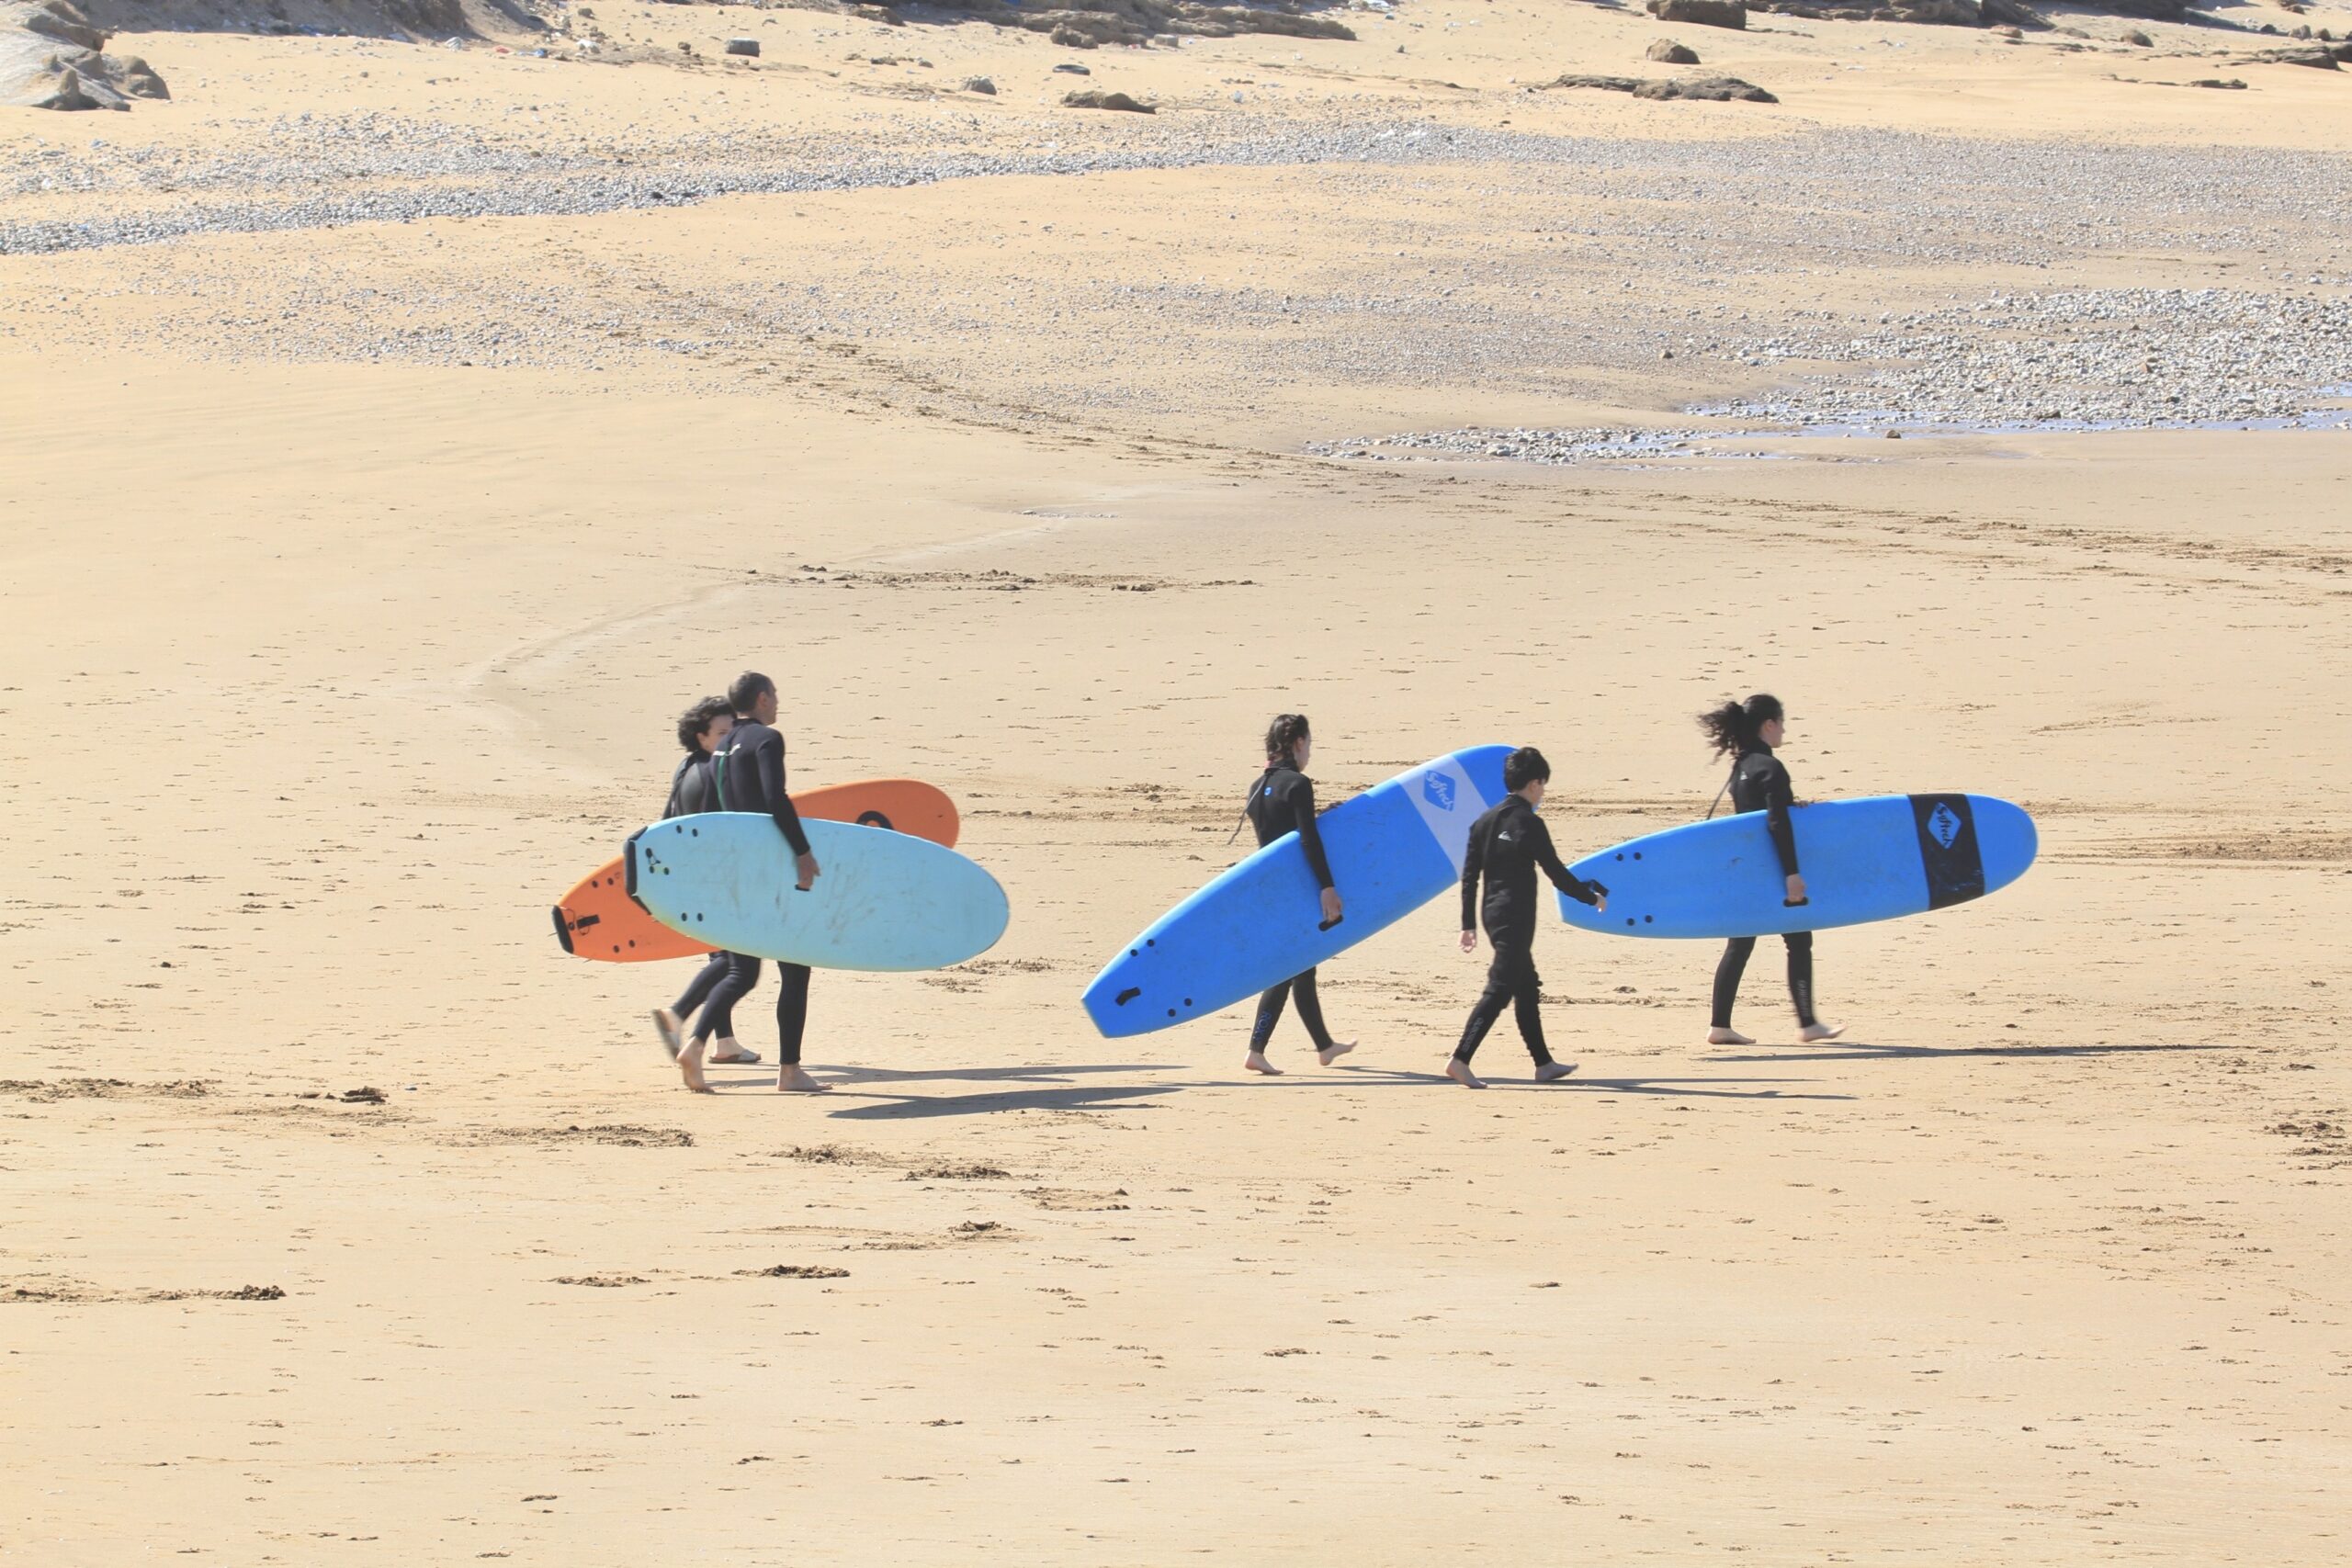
(1438, 790)
(1943, 825)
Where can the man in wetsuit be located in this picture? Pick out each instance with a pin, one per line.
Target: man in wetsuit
(750, 769)
(1506, 847)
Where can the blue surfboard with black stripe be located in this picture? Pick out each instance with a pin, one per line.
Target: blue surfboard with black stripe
(1392, 850)
(1879, 858)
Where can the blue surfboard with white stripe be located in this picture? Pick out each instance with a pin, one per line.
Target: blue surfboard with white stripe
(1392, 849)
(1878, 858)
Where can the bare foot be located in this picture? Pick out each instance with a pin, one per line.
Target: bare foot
(690, 1068)
(1337, 1051)
(1257, 1063)
(666, 1024)
(1553, 1072)
(1459, 1071)
(731, 1054)
(1812, 1033)
(1727, 1037)
(790, 1079)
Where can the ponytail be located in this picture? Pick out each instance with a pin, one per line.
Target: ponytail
(1733, 727)
(1282, 737)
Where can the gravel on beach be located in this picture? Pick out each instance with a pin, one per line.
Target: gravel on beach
(1558, 267)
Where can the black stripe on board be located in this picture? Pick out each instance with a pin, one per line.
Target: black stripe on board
(1948, 849)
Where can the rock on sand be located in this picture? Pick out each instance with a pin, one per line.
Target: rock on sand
(51, 59)
(1702, 13)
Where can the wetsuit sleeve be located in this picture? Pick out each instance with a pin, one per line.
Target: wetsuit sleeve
(1561, 878)
(1310, 837)
(1780, 795)
(1474, 860)
(675, 807)
(771, 764)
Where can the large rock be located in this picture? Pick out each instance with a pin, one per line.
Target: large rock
(1702, 13)
(51, 59)
(59, 20)
(1666, 51)
(2317, 56)
(1707, 89)
(1096, 99)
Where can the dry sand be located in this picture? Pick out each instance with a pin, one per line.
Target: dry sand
(353, 571)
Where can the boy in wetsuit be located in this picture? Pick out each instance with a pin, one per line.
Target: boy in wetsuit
(702, 730)
(1506, 847)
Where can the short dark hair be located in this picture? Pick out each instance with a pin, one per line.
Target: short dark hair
(698, 718)
(749, 688)
(1284, 735)
(1523, 767)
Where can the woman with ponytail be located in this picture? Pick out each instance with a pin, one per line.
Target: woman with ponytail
(1282, 801)
(1748, 732)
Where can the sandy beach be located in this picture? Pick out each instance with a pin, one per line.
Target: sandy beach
(394, 436)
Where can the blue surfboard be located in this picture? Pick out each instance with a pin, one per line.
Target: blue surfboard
(885, 900)
(1392, 849)
(1873, 859)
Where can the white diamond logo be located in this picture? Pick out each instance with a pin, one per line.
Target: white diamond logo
(1943, 824)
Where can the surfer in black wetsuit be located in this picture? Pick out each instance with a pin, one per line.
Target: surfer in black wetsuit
(1284, 802)
(750, 772)
(1508, 846)
(702, 730)
(1746, 732)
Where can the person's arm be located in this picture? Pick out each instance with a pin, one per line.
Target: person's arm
(1474, 860)
(676, 805)
(1310, 837)
(1780, 795)
(1568, 881)
(788, 820)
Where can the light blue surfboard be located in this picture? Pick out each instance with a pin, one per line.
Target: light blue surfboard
(1392, 849)
(885, 900)
(1873, 859)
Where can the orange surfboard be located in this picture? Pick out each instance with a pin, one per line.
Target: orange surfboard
(598, 919)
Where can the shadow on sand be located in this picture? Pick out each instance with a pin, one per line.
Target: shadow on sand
(1043, 1089)
(1692, 1089)
(1857, 1051)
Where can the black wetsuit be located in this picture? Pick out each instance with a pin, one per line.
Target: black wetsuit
(691, 790)
(1759, 783)
(1284, 802)
(750, 771)
(1508, 846)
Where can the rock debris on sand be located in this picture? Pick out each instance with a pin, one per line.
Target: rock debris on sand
(2101, 359)
(1929, 196)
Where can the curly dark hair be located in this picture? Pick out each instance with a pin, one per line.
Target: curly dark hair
(1284, 735)
(698, 718)
(1733, 727)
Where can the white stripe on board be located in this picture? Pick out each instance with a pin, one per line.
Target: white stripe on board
(1447, 802)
